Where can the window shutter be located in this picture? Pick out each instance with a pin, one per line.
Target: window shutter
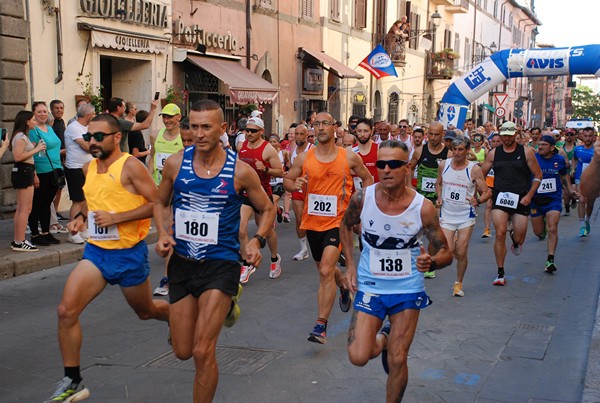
(360, 13)
(335, 10)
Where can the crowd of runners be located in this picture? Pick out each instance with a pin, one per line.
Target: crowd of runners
(370, 189)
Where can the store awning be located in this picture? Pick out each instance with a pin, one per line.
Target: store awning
(245, 86)
(489, 107)
(329, 63)
(124, 40)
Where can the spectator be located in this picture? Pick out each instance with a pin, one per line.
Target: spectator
(57, 108)
(136, 141)
(130, 112)
(116, 107)
(23, 177)
(79, 102)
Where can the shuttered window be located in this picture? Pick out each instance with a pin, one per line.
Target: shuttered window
(335, 10)
(360, 13)
(307, 8)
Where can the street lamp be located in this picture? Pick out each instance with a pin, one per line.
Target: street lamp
(480, 57)
(428, 33)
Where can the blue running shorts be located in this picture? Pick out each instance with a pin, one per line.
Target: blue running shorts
(389, 304)
(125, 267)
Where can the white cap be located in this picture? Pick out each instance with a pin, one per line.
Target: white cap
(256, 114)
(256, 121)
(555, 131)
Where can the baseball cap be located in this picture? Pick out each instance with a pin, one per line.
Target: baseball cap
(171, 110)
(256, 114)
(556, 132)
(256, 121)
(549, 139)
(508, 129)
(450, 135)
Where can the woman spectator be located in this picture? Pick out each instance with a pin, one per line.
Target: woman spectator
(130, 111)
(45, 188)
(23, 177)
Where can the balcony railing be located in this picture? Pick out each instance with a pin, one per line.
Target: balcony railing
(438, 68)
(458, 6)
(395, 46)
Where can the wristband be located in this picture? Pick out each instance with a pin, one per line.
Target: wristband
(80, 214)
(537, 180)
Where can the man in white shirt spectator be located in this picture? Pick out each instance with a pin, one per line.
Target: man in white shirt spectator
(77, 156)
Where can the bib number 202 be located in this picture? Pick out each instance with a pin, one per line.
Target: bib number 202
(323, 206)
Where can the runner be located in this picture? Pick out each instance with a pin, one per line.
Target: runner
(277, 182)
(496, 141)
(582, 157)
(204, 269)
(366, 150)
(589, 183)
(119, 196)
(517, 176)
(569, 149)
(397, 252)
(546, 204)
(324, 174)
(462, 188)
(262, 157)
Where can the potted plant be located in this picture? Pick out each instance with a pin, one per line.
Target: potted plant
(91, 95)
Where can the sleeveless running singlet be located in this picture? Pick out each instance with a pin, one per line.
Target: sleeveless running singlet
(163, 149)
(511, 172)
(387, 263)
(250, 156)
(369, 160)
(106, 192)
(328, 191)
(427, 170)
(456, 187)
(206, 212)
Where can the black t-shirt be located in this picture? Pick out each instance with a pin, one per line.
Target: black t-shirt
(136, 140)
(59, 128)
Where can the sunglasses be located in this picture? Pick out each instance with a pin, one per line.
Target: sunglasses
(252, 130)
(393, 164)
(98, 136)
(403, 126)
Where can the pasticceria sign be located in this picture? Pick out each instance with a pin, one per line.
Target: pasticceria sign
(193, 34)
(143, 12)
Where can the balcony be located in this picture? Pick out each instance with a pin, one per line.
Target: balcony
(458, 6)
(395, 46)
(443, 2)
(440, 66)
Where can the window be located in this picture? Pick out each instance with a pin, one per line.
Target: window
(495, 8)
(457, 49)
(415, 24)
(467, 61)
(360, 14)
(307, 8)
(393, 108)
(447, 39)
(359, 109)
(335, 10)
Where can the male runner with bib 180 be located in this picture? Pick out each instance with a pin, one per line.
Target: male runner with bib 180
(119, 196)
(201, 187)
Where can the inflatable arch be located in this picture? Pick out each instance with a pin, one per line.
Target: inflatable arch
(512, 63)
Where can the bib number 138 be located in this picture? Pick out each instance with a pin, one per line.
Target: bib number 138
(390, 263)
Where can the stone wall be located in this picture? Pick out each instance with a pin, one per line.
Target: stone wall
(14, 31)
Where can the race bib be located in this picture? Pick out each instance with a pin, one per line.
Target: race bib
(428, 185)
(357, 183)
(507, 199)
(455, 194)
(197, 227)
(322, 205)
(584, 166)
(101, 234)
(547, 185)
(390, 262)
(160, 159)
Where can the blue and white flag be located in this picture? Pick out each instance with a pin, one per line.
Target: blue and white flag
(379, 63)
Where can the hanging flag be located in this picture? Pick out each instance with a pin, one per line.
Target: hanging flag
(379, 63)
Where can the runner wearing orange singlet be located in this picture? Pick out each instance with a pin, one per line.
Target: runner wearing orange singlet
(323, 173)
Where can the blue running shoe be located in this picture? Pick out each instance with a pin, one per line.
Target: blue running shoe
(587, 228)
(68, 391)
(318, 334)
(582, 232)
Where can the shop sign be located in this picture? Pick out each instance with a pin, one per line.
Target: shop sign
(127, 42)
(194, 35)
(145, 12)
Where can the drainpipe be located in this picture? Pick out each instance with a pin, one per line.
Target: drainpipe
(59, 50)
(29, 56)
(248, 33)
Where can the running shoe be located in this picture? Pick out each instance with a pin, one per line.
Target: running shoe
(588, 228)
(515, 248)
(499, 281)
(582, 232)
(234, 312)
(303, 254)
(58, 229)
(24, 246)
(279, 214)
(163, 287)
(84, 234)
(275, 270)
(550, 267)
(345, 300)
(574, 203)
(75, 238)
(457, 290)
(342, 260)
(385, 330)
(245, 273)
(486, 233)
(318, 334)
(286, 216)
(68, 391)
(567, 210)
(429, 274)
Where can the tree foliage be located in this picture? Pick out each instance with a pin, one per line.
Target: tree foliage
(586, 104)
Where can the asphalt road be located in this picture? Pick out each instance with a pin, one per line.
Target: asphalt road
(526, 342)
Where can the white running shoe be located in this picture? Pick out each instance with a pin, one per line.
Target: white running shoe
(77, 238)
(245, 273)
(275, 270)
(303, 254)
(84, 234)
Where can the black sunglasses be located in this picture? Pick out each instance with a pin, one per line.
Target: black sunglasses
(403, 126)
(252, 130)
(98, 136)
(393, 164)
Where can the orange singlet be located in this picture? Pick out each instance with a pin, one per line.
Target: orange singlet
(328, 191)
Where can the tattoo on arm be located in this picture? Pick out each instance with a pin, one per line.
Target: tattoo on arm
(433, 235)
(352, 215)
(352, 328)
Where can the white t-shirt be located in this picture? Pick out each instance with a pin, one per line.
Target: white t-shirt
(77, 157)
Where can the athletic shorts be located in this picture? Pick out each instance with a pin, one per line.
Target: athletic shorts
(246, 201)
(278, 189)
(22, 175)
(455, 227)
(319, 240)
(389, 304)
(126, 267)
(75, 181)
(521, 209)
(538, 210)
(189, 276)
(298, 196)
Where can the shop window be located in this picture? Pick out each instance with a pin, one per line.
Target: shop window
(360, 14)
(393, 108)
(201, 81)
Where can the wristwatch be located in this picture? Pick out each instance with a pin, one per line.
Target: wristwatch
(261, 240)
(433, 266)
